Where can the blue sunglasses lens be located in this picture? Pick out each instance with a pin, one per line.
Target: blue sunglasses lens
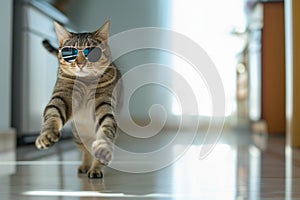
(93, 54)
(69, 54)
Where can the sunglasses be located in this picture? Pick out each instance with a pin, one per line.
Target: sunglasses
(92, 54)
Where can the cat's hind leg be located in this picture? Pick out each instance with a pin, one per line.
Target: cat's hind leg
(96, 169)
(87, 159)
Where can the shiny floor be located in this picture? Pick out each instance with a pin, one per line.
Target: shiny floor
(243, 165)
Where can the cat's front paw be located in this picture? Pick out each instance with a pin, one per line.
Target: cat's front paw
(103, 151)
(47, 139)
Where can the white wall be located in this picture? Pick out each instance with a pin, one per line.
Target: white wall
(5, 69)
(124, 15)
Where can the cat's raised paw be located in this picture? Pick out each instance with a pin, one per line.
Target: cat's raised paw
(47, 139)
(103, 151)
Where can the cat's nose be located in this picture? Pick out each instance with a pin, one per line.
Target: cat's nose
(81, 61)
(81, 65)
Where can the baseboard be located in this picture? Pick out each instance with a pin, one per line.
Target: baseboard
(7, 151)
(185, 123)
(7, 140)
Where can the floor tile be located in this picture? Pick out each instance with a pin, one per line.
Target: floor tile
(237, 168)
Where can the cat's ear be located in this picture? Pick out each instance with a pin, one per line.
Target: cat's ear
(62, 33)
(103, 32)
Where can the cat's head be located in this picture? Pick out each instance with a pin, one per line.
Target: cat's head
(83, 54)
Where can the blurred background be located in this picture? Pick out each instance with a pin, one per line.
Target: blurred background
(244, 39)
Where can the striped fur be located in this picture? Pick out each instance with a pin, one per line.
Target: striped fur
(85, 95)
(49, 47)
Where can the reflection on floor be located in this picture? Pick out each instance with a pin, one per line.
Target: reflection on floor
(240, 167)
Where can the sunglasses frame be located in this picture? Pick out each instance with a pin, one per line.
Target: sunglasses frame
(79, 50)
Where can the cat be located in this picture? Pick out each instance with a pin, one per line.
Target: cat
(85, 91)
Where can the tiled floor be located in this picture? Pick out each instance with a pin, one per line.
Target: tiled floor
(241, 166)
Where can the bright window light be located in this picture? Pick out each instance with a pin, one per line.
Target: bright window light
(209, 24)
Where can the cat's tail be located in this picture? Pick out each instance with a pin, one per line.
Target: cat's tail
(49, 47)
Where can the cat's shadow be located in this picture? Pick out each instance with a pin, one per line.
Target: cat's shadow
(90, 186)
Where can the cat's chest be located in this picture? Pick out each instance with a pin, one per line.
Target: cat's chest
(83, 96)
(84, 110)
(84, 121)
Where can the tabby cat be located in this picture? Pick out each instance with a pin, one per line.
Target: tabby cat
(85, 92)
